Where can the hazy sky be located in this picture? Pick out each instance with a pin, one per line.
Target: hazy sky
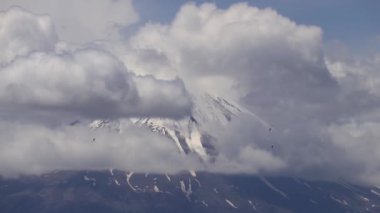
(310, 70)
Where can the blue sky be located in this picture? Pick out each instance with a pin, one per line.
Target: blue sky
(353, 22)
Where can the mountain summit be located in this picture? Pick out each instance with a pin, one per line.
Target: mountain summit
(191, 134)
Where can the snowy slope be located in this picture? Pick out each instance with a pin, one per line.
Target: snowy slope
(191, 134)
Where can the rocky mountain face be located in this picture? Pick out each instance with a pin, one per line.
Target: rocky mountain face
(188, 191)
(119, 191)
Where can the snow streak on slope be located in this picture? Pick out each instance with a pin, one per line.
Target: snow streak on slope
(129, 175)
(271, 186)
(231, 204)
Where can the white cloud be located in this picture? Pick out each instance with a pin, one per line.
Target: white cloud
(258, 48)
(360, 142)
(85, 79)
(357, 132)
(41, 74)
(248, 161)
(23, 33)
(355, 72)
(41, 149)
(82, 21)
(45, 83)
(277, 69)
(165, 98)
(261, 57)
(90, 83)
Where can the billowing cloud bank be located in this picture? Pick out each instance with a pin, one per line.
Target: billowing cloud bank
(323, 110)
(46, 83)
(35, 149)
(39, 73)
(249, 51)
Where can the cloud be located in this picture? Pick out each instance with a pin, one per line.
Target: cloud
(244, 147)
(354, 72)
(319, 107)
(41, 149)
(207, 42)
(82, 21)
(23, 33)
(360, 142)
(40, 73)
(46, 83)
(277, 69)
(88, 83)
(166, 98)
(356, 133)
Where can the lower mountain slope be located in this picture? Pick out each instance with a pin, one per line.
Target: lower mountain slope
(118, 191)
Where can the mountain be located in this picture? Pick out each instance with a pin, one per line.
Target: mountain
(187, 191)
(120, 191)
(191, 134)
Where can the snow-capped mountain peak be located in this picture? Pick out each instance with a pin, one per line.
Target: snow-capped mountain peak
(189, 134)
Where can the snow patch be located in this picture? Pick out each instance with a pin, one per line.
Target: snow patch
(375, 192)
(343, 202)
(195, 144)
(156, 189)
(271, 186)
(187, 191)
(129, 175)
(92, 180)
(167, 177)
(252, 205)
(116, 182)
(231, 204)
(192, 173)
(364, 198)
(161, 126)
